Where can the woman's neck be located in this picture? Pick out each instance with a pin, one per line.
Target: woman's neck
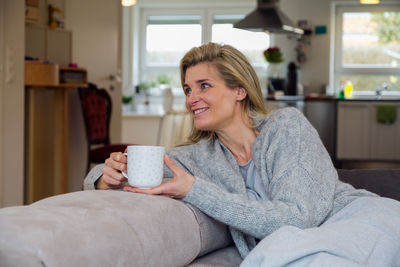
(239, 140)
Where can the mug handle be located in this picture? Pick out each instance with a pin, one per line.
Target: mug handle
(124, 173)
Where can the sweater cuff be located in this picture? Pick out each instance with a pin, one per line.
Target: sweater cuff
(92, 177)
(197, 192)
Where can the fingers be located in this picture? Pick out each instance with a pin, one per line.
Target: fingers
(112, 177)
(104, 183)
(114, 165)
(118, 156)
(116, 161)
(111, 183)
(171, 164)
(115, 174)
(158, 190)
(163, 189)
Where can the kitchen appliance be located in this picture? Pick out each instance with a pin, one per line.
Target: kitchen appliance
(276, 84)
(269, 18)
(291, 82)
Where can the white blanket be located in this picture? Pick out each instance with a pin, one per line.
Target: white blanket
(364, 233)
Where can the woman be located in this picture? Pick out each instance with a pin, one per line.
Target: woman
(256, 173)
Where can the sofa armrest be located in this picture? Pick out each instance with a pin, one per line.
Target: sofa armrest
(384, 182)
(106, 228)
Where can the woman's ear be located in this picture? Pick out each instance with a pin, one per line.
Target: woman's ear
(241, 93)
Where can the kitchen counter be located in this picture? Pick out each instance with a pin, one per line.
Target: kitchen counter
(142, 110)
(317, 97)
(309, 97)
(286, 98)
(373, 98)
(152, 111)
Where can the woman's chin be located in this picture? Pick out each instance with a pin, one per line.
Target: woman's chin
(202, 127)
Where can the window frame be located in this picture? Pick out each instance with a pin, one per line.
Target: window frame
(206, 12)
(337, 58)
(143, 37)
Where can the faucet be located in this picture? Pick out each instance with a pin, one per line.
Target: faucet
(380, 90)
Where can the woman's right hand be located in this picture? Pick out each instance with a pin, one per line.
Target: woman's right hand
(112, 177)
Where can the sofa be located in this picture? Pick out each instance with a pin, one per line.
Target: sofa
(116, 228)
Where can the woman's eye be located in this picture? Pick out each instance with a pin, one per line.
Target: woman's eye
(187, 91)
(204, 85)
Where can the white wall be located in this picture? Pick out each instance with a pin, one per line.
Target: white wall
(315, 71)
(12, 102)
(96, 34)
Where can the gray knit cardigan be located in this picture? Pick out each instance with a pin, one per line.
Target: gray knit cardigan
(300, 180)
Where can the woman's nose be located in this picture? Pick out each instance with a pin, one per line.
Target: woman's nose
(192, 98)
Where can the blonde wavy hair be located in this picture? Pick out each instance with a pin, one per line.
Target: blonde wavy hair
(236, 71)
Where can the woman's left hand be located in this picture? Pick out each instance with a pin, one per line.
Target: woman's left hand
(177, 187)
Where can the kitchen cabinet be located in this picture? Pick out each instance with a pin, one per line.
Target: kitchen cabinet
(353, 130)
(361, 137)
(322, 115)
(385, 142)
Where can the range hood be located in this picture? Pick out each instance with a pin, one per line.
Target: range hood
(268, 17)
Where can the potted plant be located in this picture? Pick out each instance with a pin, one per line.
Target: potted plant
(127, 102)
(165, 86)
(144, 87)
(164, 81)
(273, 56)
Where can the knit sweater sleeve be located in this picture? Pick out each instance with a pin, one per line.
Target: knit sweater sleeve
(94, 174)
(301, 182)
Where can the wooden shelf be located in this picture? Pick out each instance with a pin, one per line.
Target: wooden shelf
(47, 128)
(72, 85)
(72, 69)
(38, 74)
(53, 75)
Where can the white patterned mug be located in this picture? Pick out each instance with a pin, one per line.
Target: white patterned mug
(145, 166)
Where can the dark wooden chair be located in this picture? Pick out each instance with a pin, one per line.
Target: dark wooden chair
(96, 109)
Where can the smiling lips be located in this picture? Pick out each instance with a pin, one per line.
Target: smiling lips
(199, 111)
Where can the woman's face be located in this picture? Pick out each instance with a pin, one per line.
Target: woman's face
(211, 103)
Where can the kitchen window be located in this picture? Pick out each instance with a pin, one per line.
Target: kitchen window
(164, 43)
(367, 48)
(168, 34)
(167, 38)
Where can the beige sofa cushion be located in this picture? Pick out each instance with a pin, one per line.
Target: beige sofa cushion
(107, 228)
